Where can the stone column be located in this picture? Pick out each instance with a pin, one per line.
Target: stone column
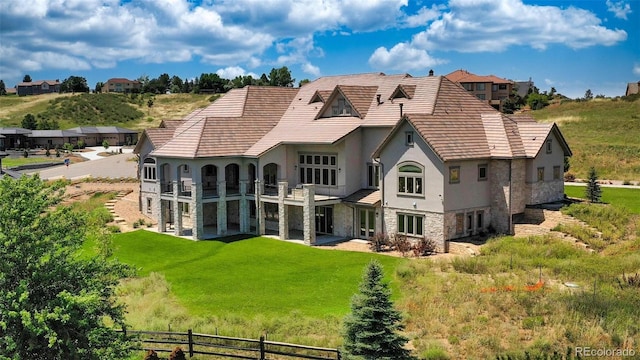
(309, 213)
(283, 213)
(222, 208)
(196, 211)
(177, 216)
(244, 211)
(162, 220)
(260, 229)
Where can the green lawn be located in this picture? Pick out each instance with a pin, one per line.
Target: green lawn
(250, 277)
(10, 162)
(625, 197)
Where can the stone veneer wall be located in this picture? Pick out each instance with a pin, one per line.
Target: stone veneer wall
(433, 225)
(342, 220)
(500, 193)
(519, 191)
(545, 191)
(155, 204)
(450, 222)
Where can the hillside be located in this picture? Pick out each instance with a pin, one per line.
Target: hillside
(603, 133)
(100, 109)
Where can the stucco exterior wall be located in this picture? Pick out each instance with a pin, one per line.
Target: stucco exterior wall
(469, 192)
(395, 153)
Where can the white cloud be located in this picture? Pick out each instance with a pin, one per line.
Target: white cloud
(232, 72)
(424, 16)
(493, 26)
(311, 69)
(548, 81)
(402, 57)
(619, 8)
(636, 69)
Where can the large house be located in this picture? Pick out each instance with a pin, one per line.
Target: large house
(632, 88)
(349, 156)
(38, 87)
(19, 138)
(492, 89)
(121, 85)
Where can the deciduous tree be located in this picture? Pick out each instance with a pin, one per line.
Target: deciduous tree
(26, 78)
(53, 303)
(371, 331)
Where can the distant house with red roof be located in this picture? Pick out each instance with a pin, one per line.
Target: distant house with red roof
(121, 85)
(492, 89)
(38, 87)
(632, 88)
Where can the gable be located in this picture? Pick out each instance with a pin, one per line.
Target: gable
(403, 91)
(347, 100)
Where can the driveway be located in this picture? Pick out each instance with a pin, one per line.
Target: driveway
(114, 166)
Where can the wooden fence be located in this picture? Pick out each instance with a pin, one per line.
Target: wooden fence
(227, 347)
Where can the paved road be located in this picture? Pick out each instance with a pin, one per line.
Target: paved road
(115, 166)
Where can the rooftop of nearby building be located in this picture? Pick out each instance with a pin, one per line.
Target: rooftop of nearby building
(464, 76)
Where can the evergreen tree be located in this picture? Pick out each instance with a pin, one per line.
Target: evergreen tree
(371, 330)
(593, 192)
(29, 122)
(26, 78)
(3, 89)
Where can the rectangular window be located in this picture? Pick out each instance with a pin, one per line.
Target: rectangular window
(469, 222)
(481, 96)
(411, 225)
(184, 208)
(502, 86)
(454, 174)
(148, 205)
(480, 220)
(373, 176)
(318, 169)
(482, 172)
(410, 179)
(149, 172)
(408, 138)
(467, 86)
(556, 173)
(494, 87)
(480, 86)
(540, 174)
(549, 146)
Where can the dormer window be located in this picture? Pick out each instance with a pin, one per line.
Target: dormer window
(341, 108)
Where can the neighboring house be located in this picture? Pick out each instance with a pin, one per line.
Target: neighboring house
(38, 87)
(347, 157)
(53, 138)
(14, 137)
(524, 88)
(121, 85)
(492, 89)
(17, 138)
(632, 88)
(115, 136)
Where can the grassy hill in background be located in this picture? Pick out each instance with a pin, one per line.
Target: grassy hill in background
(603, 133)
(100, 109)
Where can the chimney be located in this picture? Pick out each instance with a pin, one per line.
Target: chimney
(431, 72)
(401, 104)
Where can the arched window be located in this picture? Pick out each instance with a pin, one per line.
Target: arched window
(410, 178)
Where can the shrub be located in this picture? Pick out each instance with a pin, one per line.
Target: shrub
(631, 280)
(105, 144)
(47, 153)
(626, 182)
(113, 229)
(569, 177)
(26, 153)
(401, 244)
(378, 241)
(177, 354)
(151, 355)
(424, 247)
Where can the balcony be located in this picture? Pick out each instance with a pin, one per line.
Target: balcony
(166, 187)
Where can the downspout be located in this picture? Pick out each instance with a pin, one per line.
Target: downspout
(382, 203)
(256, 195)
(510, 199)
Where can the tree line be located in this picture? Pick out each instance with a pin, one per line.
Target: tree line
(205, 83)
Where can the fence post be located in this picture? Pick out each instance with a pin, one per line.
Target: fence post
(339, 356)
(262, 347)
(190, 335)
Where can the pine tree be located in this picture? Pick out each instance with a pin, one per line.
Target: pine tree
(593, 192)
(371, 330)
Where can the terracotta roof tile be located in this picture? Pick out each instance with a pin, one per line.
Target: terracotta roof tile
(365, 197)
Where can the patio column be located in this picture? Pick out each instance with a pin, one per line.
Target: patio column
(283, 211)
(244, 210)
(260, 229)
(309, 213)
(222, 208)
(196, 211)
(177, 215)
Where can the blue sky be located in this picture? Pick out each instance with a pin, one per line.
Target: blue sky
(570, 45)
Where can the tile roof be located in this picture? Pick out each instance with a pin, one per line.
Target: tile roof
(463, 76)
(365, 197)
(39, 82)
(14, 131)
(230, 125)
(122, 80)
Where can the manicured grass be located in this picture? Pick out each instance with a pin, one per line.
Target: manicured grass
(602, 133)
(625, 197)
(10, 162)
(249, 277)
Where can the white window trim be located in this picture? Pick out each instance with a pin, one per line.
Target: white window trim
(415, 220)
(331, 170)
(417, 189)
